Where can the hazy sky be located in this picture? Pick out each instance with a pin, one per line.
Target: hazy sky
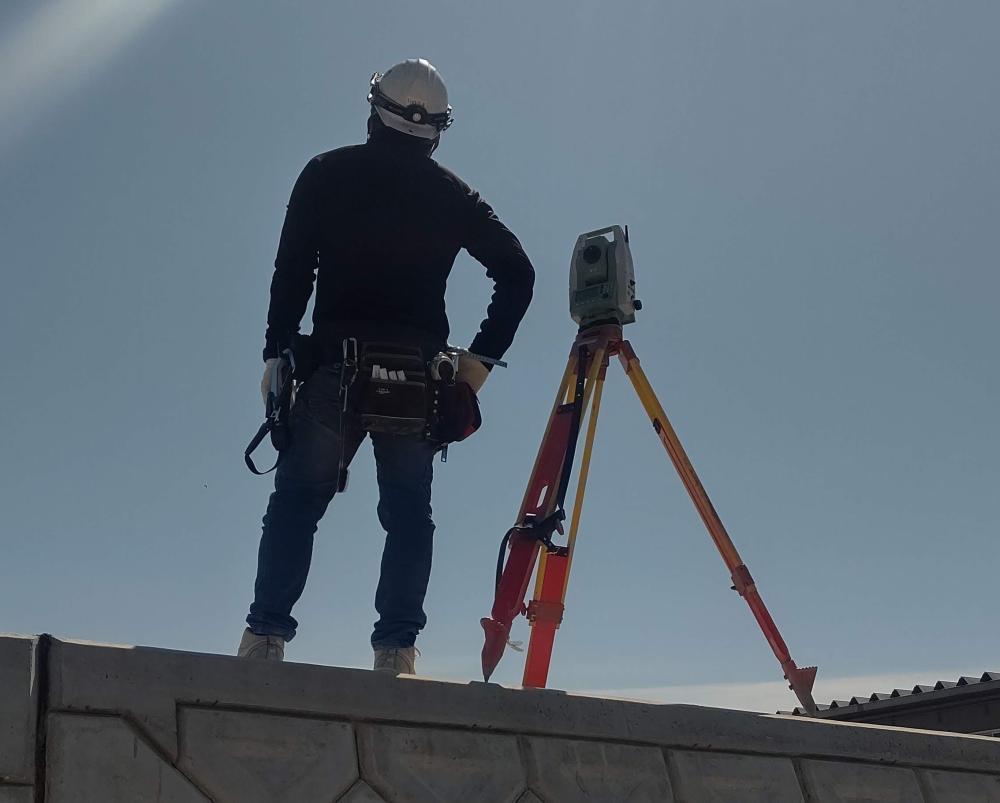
(813, 192)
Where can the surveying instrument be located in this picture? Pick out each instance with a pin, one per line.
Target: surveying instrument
(601, 300)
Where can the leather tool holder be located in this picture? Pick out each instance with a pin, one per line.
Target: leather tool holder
(391, 391)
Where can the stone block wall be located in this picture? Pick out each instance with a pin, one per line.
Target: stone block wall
(85, 723)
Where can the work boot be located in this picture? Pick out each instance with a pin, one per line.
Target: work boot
(262, 648)
(398, 660)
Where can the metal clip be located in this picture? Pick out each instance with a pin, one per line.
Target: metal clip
(348, 370)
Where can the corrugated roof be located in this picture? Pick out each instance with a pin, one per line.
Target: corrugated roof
(872, 700)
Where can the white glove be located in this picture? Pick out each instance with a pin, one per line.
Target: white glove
(270, 366)
(472, 372)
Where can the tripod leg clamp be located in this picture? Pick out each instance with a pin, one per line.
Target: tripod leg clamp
(541, 611)
(741, 579)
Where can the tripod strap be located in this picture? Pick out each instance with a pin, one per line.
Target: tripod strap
(574, 427)
(542, 529)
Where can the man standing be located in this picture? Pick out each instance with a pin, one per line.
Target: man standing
(377, 227)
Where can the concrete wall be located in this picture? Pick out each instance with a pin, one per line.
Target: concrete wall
(101, 724)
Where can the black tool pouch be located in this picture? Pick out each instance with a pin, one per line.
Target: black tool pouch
(390, 393)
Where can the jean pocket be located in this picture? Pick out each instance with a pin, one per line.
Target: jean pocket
(319, 398)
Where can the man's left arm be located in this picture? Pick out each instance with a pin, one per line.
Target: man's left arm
(295, 265)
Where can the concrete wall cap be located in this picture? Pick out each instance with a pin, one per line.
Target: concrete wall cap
(147, 684)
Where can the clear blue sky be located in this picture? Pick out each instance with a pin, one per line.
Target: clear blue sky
(813, 192)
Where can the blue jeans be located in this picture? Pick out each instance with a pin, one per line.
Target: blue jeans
(306, 481)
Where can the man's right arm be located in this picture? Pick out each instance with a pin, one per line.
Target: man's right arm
(295, 265)
(493, 245)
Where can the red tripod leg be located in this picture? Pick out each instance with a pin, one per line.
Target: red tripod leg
(539, 502)
(545, 613)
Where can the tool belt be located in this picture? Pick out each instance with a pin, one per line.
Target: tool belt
(395, 392)
(389, 386)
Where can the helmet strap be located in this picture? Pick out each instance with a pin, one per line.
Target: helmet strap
(374, 123)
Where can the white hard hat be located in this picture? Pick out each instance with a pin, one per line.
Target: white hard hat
(412, 98)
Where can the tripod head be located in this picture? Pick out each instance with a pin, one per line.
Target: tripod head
(602, 279)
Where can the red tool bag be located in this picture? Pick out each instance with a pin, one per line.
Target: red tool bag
(456, 413)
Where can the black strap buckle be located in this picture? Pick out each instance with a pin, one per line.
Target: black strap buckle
(542, 529)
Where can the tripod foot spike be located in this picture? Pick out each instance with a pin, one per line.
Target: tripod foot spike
(493, 647)
(800, 680)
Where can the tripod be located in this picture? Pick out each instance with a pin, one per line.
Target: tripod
(542, 514)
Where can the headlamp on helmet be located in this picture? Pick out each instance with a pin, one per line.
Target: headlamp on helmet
(415, 113)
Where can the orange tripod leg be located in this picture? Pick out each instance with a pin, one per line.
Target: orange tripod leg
(800, 679)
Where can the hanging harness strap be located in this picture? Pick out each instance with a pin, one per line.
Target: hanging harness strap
(265, 428)
(279, 401)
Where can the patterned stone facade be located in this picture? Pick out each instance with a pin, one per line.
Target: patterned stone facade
(131, 725)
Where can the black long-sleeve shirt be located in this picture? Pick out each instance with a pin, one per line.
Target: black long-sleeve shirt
(378, 227)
